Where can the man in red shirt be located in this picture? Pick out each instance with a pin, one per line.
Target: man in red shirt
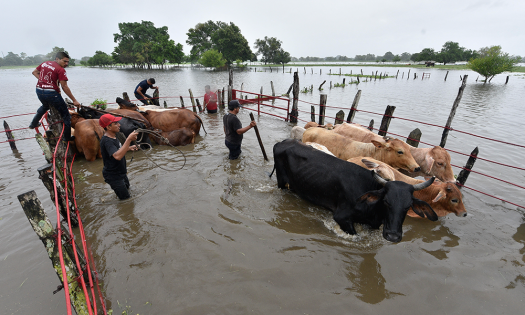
(210, 100)
(50, 75)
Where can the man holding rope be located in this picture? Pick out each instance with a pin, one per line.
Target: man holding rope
(234, 130)
(142, 88)
(114, 155)
(50, 75)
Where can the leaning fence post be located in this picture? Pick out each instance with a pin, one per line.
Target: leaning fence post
(219, 99)
(446, 75)
(181, 102)
(295, 112)
(9, 135)
(322, 107)
(45, 231)
(312, 113)
(125, 96)
(199, 105)
(414, 137)
(371, 125)
(453, 112)
(353, 109)
(463, 175)
(192, 101)
(408, 75)
(386, 120)
(156, 100)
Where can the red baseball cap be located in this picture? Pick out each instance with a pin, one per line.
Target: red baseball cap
(107, 119)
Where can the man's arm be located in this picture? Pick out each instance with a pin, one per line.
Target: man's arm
(139, 91)
(36, 73)
(126, 146)
(66, 90)
(243, 130)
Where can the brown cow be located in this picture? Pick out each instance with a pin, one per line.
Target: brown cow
(444, 198)
(174, 119)
(433, 161)
(182, 136)
(390, 151)
(87, 136)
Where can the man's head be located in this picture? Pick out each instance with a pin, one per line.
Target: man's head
(108, 121)
(62, 59)
(151, 81)
(207, 88)
(234, 106)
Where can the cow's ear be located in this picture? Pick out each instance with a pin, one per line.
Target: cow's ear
(429, 160)
(423, 209)
(440, 195)
(371, 197)
(377, 144)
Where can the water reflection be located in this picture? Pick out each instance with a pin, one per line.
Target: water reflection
(367, 279)
(519, 237)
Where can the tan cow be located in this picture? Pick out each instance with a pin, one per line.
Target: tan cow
(390, 151)
(445, 198)
(174, 119)
(382, 169)
(311, 124)
(433, 161)
(87, 136)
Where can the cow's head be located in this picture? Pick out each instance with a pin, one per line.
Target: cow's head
(89, 113)
(448, 200)
(123, 104)
(396, 153)
(75, 118)
(437, 163)
(394, 200)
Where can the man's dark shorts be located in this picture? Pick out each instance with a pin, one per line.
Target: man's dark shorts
(119, 183)
(139, 97)
(235, 150)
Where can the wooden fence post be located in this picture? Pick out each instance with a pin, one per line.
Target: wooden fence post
(125, 96)
(199, 105)
(222, 98)
(181, 102)
(192, 101)
(156, 100)
(453, 112)
(371, 125)
(322, 107)
(414, 137)
(230, 92)
(353, 109)
(339, 117)
(386, 120)
(408, 75)
(397, 73)
(446, 75)
(45, 231)
(9, 135)
(507, 81)
(312, 113)
(295, 113)
(219, 99)
(463, 175)
(320, 86)
(230, 78)
(259, 138)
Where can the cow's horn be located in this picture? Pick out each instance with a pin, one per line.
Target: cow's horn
(379, 179)
(424, 184)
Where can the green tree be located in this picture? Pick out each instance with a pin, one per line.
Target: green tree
(426, 54)
(223, 37)
(12, 59)
(396, 58)
(492, 61)
(405, 56)
(388, 56)
(270, 50)
(143, 44)
(450, 52)
(212, 59)
(100, 59)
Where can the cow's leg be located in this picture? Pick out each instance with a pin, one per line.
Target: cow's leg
(343, 218)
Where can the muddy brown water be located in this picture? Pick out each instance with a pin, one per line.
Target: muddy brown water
(180, 247)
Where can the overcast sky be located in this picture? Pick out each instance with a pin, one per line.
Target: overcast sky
(306, 28)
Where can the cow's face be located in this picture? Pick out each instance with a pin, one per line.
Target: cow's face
(438, 164)
(396, 153)
(448, 200)
(394, 201)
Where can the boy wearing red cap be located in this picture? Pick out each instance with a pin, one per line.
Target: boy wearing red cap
(113, 155)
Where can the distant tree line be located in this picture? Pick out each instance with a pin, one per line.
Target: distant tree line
(22, 59)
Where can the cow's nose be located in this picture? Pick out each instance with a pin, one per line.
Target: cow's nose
(417, 169)
(393, 237)
(462, 214)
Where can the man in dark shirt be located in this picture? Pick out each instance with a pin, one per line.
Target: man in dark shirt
(234, 130)
(113, 155)
(142, 88)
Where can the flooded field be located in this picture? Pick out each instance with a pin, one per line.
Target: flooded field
(180, 247)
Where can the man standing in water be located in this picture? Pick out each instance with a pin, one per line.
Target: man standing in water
(114, 155)
(50, 75)
(210, 100)
(142, 88)
(234, 130)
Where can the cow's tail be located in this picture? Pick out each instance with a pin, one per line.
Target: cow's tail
(272, 171)
(202, 124)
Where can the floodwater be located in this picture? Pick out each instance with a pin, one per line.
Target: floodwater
(180, 247)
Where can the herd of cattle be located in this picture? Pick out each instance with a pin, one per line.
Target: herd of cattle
(358, 175)
(179, 126)
(365, 178)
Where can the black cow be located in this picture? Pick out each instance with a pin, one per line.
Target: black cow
(352, 193)
(127, 126)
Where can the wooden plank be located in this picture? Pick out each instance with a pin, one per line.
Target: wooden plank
(9, 135)
(259, 138)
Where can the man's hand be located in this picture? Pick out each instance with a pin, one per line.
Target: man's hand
(133, 136)
(133, 148)
(253, 124)
(76, 103)
(156, 88)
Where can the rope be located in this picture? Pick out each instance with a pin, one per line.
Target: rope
(158, 135)
(17, 115)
